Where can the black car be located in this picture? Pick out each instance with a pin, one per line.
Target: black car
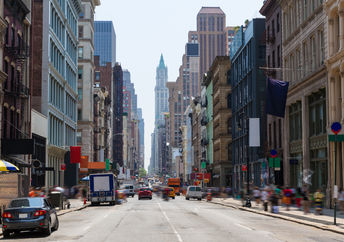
(29, 213)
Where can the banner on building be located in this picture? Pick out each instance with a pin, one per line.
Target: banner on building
(276, 97)
(254, 132)
(75, 154)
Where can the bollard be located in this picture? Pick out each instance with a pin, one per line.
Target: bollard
(84, 201)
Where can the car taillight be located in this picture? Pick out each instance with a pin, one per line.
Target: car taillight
(7, 215)
(39, 213)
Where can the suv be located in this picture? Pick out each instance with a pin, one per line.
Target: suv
(129, 190)
(194, 192)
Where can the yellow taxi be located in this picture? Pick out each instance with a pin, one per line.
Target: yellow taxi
(171, 193)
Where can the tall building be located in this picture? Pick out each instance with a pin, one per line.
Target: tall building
(161, 91)
(129, 87)
(248, 84)
(103, 78)
(304, 51)
(273, 27)
(335, 82)
(55, 80)
(86, 77)
(117, 116)
(211, 23)
(230, 32)
(105, 42)
(15, 28)
(141, 136)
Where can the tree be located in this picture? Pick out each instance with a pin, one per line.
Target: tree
(142, 172)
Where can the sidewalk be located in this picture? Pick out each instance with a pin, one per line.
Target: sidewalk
(324, 221)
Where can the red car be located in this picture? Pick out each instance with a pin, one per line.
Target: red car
(145, 193)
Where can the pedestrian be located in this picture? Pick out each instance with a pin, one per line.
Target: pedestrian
(265, 197)
(287, 194)
(341, 200)
(274, 202)
(318, 199)
(256, 195)
(298, 198)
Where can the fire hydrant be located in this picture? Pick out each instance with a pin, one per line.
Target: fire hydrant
(84, 201)
(209, 198)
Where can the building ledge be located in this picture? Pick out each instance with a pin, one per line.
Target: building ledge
(3, 76)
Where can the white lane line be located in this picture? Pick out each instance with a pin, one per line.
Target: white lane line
(171, 225)
(242, 226)
(106, 215)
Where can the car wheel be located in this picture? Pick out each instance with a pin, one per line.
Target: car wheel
(47, 231)
(57, 223)
(199, 199)
(6, 234)
(174, 197)
(187, 198)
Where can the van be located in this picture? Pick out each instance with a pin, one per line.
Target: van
(129, 190)
(194, 192)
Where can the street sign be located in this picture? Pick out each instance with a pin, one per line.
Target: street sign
(336, 127)
(203, 165)
(273, 153)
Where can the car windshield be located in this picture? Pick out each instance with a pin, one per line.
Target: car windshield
(144, 189)
(30, 202)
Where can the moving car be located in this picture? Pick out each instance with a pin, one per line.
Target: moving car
(130, 190)
(145, 192)
(29, 213)
(194, 192)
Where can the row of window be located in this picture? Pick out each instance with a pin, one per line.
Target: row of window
(70, 107)
(71, 48)
(57, 24)
(55, 131)
(273, 58)
(11, 124)
(274, 26)
(10, 36)
(306, 59)
(275, 138)
(56, 93)
(72, 21)
(71, 77)
(56, 58)
(203, 26)
(297, 13)
(317, 116)
(242, 64)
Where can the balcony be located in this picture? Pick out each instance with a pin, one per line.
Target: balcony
(204, 120)
(204, 141)
(19, 89)
(21, 51)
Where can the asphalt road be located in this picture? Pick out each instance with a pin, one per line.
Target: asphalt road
(177, 220)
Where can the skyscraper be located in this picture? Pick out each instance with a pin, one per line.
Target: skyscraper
(161, 91)
(105, 42)
(118, 115)
(55, 94)
(85, 76)
(211, 23)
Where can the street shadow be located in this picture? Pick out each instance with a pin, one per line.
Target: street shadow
(27, 235)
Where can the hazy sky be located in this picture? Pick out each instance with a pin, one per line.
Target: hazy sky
(146, 28)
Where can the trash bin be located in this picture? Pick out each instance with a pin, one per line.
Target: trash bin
(56, 199)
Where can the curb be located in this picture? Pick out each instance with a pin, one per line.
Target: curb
(65, 212)
(299, 221)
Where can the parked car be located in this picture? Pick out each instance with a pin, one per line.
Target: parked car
(129, 190)
(145, 193)
(194, 192)
(29, 214)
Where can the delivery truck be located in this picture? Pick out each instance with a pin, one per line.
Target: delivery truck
(102, 188)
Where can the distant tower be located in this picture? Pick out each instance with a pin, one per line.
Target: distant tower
(161, 91)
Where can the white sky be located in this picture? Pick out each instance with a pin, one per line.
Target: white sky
(146, 28)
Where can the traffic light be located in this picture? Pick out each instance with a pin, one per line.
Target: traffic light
(196, 169)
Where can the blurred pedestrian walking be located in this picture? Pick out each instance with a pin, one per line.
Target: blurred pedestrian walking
(298, 198)
(256, 195)
(274, 202)
(287, 194)
(265, 198)
(318, 199)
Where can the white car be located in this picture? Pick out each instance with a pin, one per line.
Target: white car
(194, 192)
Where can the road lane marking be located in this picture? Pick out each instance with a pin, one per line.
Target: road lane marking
(171, 225)
(106, 215)
(242, 226)
(87, 227)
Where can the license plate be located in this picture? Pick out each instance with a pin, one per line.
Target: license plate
(23, 215)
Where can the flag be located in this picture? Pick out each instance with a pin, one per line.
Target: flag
(276, 97)
(75, 154)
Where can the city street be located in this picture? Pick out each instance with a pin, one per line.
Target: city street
(177, 220)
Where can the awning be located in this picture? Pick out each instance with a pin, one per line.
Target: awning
(7, 166)
(18, 161)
